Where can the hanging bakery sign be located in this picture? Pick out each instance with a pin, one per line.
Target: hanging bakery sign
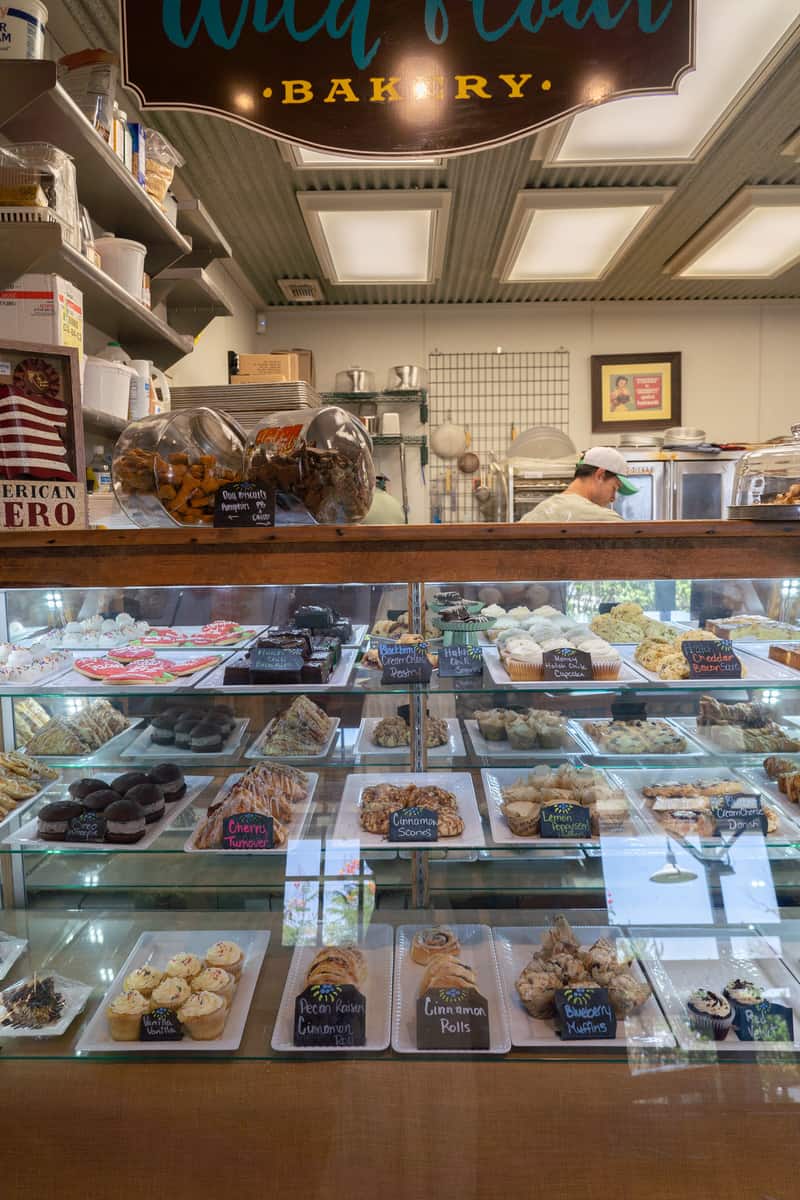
(401, 77)
(42, 478)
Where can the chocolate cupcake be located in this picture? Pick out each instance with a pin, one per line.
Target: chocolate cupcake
(206, 738)
(54, 819)
(97, 802)
(745, 996)
(150, 799)
(125, 822)
(123, 783)
(82, 788)
(710, 1014)
(169, 778)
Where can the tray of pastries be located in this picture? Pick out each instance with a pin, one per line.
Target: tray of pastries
(387, 737)
(23, 780)
(43, 1006)
(369, 800)
(300, 732)
(748, 727)
(522, 733)
(653, 737)
(189, 731)
(98, 725)
(274, 790)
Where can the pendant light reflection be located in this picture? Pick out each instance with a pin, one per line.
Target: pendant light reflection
(671, 872)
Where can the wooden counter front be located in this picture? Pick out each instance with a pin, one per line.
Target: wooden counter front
(391, 554)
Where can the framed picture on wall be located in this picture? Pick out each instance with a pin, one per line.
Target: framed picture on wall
(635, 391)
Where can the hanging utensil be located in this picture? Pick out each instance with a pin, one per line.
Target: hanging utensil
(468, 462)
(483, 492)
(448, 441)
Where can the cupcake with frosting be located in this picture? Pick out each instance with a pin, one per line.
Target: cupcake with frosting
(493, 610)
(710, 1014)
(525, 661)
(606, 662)
(520, 613)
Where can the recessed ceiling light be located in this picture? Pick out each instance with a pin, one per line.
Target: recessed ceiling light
(736, 42)
(562, 234)
(304, 158)
(756, 235)
(378, 237)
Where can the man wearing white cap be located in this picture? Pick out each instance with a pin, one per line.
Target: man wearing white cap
(599, 475)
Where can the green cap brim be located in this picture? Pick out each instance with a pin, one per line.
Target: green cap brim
(626, 487)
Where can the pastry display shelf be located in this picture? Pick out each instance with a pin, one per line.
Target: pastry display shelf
(396, 397)
(34, 108)
(208, 241)
(192, 298)
(107, 306)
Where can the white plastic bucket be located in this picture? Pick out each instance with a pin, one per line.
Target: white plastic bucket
(123, 260)
(107, 387)
(22, 28)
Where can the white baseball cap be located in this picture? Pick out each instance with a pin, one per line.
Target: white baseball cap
(611, 460)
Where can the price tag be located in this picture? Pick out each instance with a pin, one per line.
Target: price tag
(405, 664)
(764, 1022)
(712, 660)
(268, 659)
(414, 825)
(332, 1015)
(738, 813)
(565, 821)
(567, 665)
(161, 1025)
(88, 827)
(248, 831)
(457, 662)
(453, 1019)
(244, 506)
(584, 1014)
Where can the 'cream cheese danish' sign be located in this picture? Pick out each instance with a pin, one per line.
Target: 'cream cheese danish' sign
(401, 77)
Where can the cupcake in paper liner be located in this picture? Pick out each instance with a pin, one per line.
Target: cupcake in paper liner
(525, 663)
(710, 1014)
(606, 662)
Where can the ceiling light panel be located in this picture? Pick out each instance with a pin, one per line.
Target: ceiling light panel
(569, 235)
(755, 236)
(305, 158)
(735, 41)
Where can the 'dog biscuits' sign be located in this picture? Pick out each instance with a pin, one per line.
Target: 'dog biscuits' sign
(400, 77)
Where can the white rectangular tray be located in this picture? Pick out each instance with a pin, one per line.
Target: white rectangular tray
(339, 679)
(348, 825)
(156, 949)
(26, 835)
(505, 751)
(628, 674)
(11, 949)
(515, 945)
(700, 735)
(675, 972)
(144, 747)
(756, 671)
(112, 744)
(378, 948)
(495, 778)
(368, 751)
(760, 779)
(323, 751)
(76, 996)
(34, 686)
(477, 951)
(77, 683)
(295, 829)
(691, 751)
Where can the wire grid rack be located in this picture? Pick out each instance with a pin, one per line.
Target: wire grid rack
(495, 396)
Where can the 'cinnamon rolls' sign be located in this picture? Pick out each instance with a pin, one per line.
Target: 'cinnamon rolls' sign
(42, 471)
(401, 77)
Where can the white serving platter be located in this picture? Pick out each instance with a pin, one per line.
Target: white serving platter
(599, 751)
(11, 949)
(756, 671)
(79, 684)
(348, 824)
(340, 678)
(701, 735)
(145, 747)
(33, 686)
(367, 750)
(156, 949)
(760, 779)
(505, 752)
(628, 674)
(323, 752)
(760, 650)
(476, 951)
(76, 996)
(675, 970)
(378, 949)
(189, 632)
(496, 778)
(24, 805)
(296, 828)
(26, 835)
(515, 945)
(112, 745)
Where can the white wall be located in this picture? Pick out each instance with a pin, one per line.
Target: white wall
(208, 364)
(741, 363)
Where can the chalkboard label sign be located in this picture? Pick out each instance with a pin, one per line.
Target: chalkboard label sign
(453, 1019)
(456, 662)
(88, 827)
(565, 821)
(738, 813)
(270, 659)
(244, 506)
(161, 1025)
(567, 665)
(628, 708)
(414, 825)
(607, 606)
(330, 1015)
(584, 1014)
(764, 1022)
(405, 664)
(712, 660)
(248, 831)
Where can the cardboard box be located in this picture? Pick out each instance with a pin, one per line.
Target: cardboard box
(263, 377)
(287, 366)
(305, 361)
(44, 309)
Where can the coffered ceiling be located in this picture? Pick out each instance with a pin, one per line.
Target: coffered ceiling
(250, 188)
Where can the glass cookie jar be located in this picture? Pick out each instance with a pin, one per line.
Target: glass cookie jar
(167, 469)
(320, 458)
(766, 486)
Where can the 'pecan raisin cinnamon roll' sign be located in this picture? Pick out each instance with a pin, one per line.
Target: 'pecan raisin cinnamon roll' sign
(401, 77)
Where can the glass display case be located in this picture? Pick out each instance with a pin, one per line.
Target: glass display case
(502, 818)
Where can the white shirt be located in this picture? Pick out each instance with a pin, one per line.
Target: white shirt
(570, 506)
